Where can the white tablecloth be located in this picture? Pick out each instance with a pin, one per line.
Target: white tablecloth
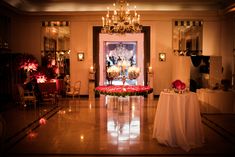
(216, 101)
(178, 121)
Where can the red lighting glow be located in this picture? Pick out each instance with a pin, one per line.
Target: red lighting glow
(32, 135)
(53, 80)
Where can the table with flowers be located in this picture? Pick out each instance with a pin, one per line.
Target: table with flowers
(177, 120)
(123, 97)
(124, 90)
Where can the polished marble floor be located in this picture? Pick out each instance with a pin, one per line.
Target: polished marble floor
(105, 126)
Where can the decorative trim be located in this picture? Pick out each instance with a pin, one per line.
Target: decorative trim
(188, 22)
(55, 23)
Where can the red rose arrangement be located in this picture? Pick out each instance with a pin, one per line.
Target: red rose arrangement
(178, 86)
(126, 90)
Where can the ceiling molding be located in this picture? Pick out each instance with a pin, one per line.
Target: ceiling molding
(55, 6)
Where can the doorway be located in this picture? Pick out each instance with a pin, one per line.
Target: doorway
(123, 56)
(145, 53)
(111, 44)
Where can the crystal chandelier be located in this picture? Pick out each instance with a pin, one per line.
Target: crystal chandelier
(121, 21)
(121, 53)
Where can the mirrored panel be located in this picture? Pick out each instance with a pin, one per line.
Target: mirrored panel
(187, 37)
(123, 56)
(55, 47)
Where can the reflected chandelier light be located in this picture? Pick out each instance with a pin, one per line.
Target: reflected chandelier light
(122, 21)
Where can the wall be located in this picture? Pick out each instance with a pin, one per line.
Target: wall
(227, 31)
(25, 37)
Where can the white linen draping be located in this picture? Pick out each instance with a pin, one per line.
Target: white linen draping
(178, 121)
(216, 101)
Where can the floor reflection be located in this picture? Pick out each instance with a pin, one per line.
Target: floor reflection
(105, 126)
(123, 117)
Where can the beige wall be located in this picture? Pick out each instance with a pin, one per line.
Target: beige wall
(227, 30)
(25, 37)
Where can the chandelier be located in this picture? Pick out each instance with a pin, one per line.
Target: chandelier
(121, 53)
(121, 21)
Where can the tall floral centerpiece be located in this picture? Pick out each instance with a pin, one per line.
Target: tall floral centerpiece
(29, 65)
(112, 73)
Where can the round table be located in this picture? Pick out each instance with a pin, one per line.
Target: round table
(177, 121)
(124, 90)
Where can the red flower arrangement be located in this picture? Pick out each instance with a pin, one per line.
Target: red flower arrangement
(41, 78)
(126, 90)
(178, 86)
(29, 65)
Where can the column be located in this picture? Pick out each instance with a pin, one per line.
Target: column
(91, 86)
(150, 82)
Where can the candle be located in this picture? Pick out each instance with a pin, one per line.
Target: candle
(108, 11)
(91, 69)
(138, 19)
(150, 69)
(103, 21)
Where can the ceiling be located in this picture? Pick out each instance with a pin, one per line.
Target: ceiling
(30, 6)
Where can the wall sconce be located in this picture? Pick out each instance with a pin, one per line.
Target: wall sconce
(80, 56)
(162, 57)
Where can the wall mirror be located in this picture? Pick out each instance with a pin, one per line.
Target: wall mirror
(187, 37)
(55, 47)
(123, 55)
